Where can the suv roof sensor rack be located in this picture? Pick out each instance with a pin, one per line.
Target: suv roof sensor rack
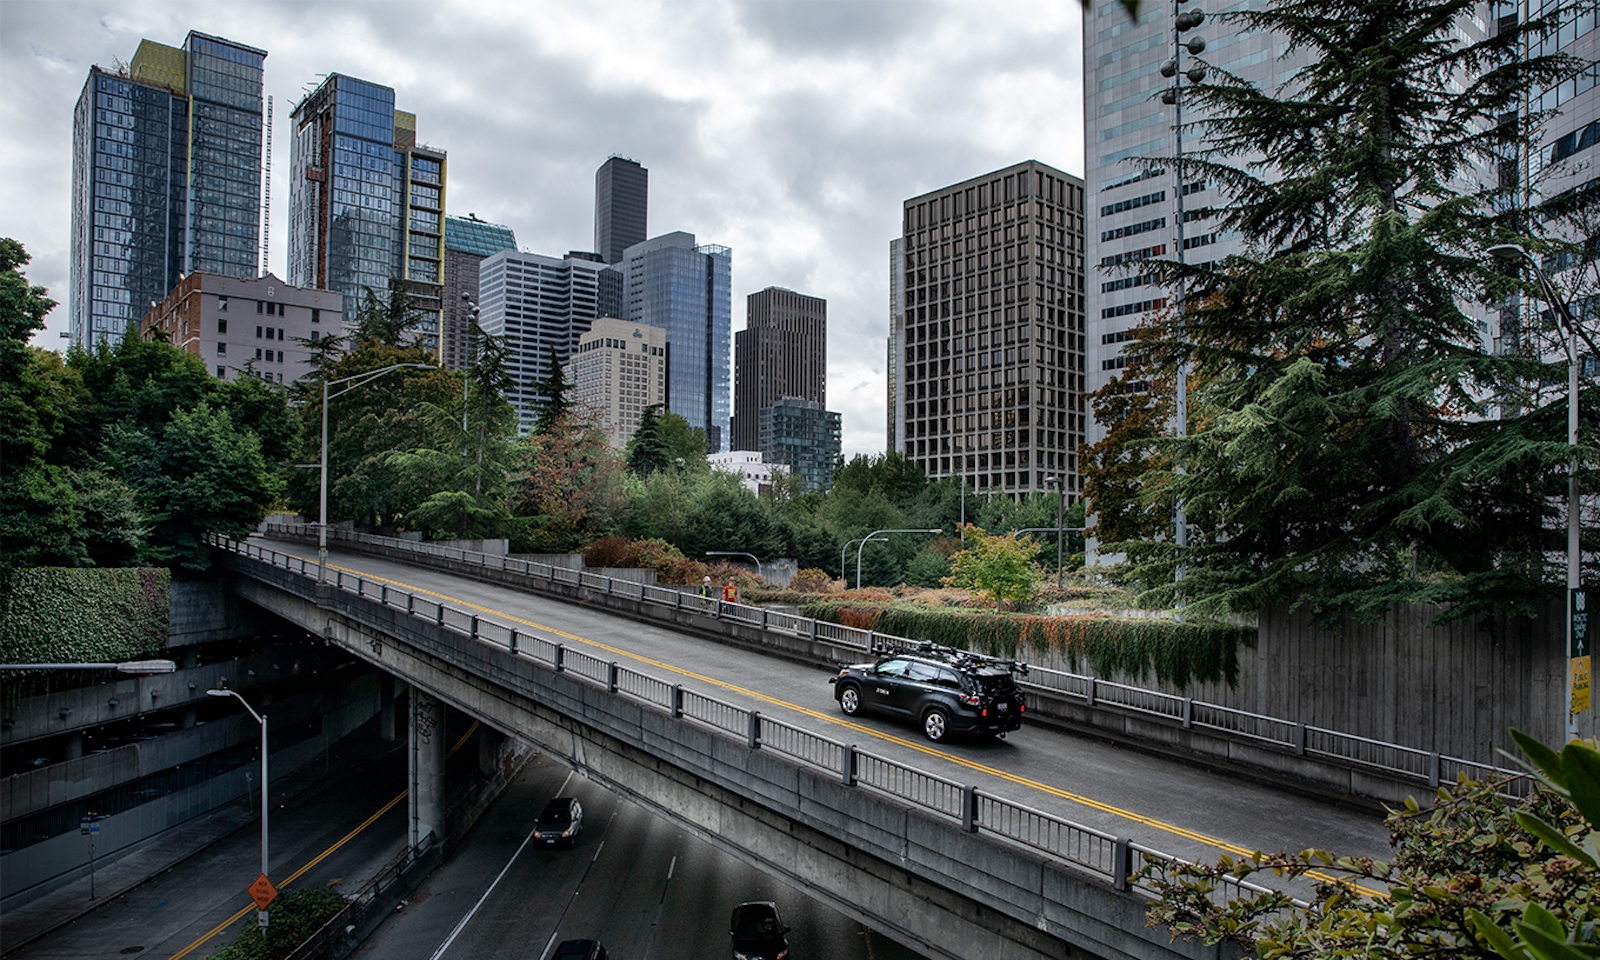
(964, 660)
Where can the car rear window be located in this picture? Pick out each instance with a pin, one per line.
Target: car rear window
(560, 815)
(994, 684)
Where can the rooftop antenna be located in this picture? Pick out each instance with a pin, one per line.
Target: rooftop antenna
(266, 198)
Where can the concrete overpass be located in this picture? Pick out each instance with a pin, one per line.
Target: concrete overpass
(950, 867)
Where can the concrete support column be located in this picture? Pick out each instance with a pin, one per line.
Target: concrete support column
(427, 767)
(386, 709)
(74, 747)
(490, 744)
(186, 719)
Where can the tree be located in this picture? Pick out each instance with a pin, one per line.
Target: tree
(553, 403)
(1002, 567)
(1478, 875)
(1356, 444)
(570, 488)
(387, 319)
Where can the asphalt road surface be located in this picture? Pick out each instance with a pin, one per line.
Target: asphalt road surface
(645, 888)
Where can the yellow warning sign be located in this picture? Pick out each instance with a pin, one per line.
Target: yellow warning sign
(1580, 684)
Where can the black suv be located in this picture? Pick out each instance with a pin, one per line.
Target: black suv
(947, 691)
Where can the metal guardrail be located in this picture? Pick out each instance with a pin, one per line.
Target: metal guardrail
(1095, 851)
(1392, 759)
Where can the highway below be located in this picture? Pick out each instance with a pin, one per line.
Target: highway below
(1170, 806)
(646, 889)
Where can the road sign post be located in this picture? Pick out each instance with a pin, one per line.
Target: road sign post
(263, 893)
(1579, 654)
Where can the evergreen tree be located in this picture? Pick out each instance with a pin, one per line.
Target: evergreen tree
(646, 451)
(386, 318)
(552, 389)
(1355, 441)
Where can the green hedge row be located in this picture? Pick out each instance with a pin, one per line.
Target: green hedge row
(84, 614)
(1176, 653)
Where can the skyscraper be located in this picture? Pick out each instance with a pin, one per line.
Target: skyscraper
(542, 304)
(987, 327)
(687, 290)
(366, 201)
(621, 207)
(466, 243)
(166, 179)
(781, 352)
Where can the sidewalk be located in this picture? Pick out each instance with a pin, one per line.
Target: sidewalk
(27, 923)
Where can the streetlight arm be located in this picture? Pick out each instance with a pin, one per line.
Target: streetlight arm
(872, 536)
(1552, 296)
(129, 666)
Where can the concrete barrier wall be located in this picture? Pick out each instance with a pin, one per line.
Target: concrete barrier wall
(907, 870)
(40, 867)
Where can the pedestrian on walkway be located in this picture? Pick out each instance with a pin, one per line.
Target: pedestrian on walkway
(730, 593)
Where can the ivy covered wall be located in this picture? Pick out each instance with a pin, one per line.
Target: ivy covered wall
(84, 614)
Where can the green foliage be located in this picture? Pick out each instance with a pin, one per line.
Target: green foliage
(1001, 567)
(570, 488)
(553, 403)
(1478, 875)
(1176, 653)
(812, 580)
(295, 916)
(386, 319)
(1351, 440)
(61, 615)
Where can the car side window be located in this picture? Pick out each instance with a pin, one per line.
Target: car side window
(891, 668)
(948, 678)
(922, 672)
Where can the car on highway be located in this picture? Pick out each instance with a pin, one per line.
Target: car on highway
(943, 690)
(758, 932)
(579, 950)
(560, 822)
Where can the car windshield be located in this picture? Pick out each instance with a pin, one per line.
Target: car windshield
(561, 815)
(757, 923)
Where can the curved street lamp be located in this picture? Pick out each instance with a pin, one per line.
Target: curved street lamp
(873, 536)
(360, 380)
(846, 549)
(261, 719)
(737, 553)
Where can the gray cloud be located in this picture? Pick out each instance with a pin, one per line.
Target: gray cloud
(789, 131)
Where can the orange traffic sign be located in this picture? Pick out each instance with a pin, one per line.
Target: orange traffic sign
(262, 891)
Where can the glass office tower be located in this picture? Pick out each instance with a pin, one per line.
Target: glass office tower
(687, 290)
(166, 179)
(621, 207)
(366, 201)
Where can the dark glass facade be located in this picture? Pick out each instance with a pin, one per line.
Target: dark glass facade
(781, 352)
(687, 290)
(166, 179)
(621, 207)
(805, 437)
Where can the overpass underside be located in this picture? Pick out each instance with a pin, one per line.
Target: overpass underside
(947, 891)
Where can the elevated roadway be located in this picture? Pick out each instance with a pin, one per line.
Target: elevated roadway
(1159, 803)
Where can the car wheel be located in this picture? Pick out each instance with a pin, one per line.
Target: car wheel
(936, 725)
(850, 700)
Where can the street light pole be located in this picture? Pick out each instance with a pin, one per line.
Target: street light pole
(738, 553)
(874, 535)
(1056, 480)
(261, 719)
(846, 549)
(1574, 554)
(362, 379)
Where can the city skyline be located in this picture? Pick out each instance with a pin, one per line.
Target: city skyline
(789, 132)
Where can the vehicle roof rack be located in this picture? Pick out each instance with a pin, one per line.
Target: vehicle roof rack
(960, 659)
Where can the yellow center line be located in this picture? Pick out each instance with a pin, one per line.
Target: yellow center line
(318, 858)
(836, 721)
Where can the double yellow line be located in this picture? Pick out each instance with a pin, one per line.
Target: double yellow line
(205, 937)
(1090, 802)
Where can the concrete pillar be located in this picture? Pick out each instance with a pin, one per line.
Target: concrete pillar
(74, 747)
(386, 709)
(490, 742)
(186, 719)
(190, 658)
(427, 767)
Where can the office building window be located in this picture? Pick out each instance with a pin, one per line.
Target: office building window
(222, 325)
(222, 349)
(222, 372)
(222, 303)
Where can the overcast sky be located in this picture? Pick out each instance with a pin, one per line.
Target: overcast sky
(788, 131)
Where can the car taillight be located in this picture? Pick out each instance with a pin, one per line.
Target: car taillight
(971, 700)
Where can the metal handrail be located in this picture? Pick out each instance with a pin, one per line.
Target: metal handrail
(1346, 748)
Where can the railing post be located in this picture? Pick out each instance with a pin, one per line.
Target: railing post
(1121, 863)
(1299, 739)
(763, 618)
(813, 630)
(969, 808)
(1091, 691)
(512, 643)
(753, 740)
(1434, 773)
(847, 768)
(441, 614)
(383, 594)
(612, 673)
(472, 627)
(560, 658)
(677, 701)
(411, 604)
(1188, 712)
